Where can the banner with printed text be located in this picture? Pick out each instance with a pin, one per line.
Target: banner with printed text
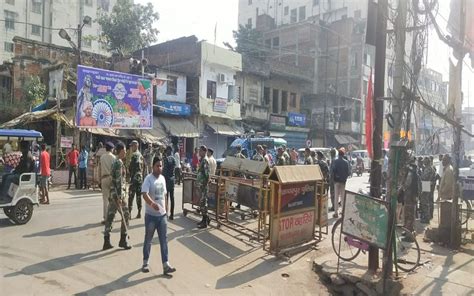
(296, 196)
(108, 99)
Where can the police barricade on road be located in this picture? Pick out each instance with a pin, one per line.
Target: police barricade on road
(297, 205)
(244, 182)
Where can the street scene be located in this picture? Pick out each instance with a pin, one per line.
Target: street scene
(299, 147)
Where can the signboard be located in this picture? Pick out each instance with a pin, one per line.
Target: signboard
(277, 122)
(108, 99)
(292, 229)
(66, 142)
(296, 119)
(220, 105)
(322, 211)
(296, 196)
(174, 108)
(248, 196)
(365, 218)
(309, 143)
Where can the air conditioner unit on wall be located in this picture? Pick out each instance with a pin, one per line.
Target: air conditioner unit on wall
(221, 78)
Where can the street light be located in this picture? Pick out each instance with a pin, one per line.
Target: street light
(87, 20)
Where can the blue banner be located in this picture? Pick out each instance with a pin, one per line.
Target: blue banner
(108, 99)
(296, 119)
(174, 108)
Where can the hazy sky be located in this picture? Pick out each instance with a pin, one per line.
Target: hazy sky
(180, 18)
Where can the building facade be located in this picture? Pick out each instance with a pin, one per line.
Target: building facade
(40, 20)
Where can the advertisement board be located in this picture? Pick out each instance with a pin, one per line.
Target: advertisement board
(248, 196)
(277, 122)
(292, 229)
(220, 105)
(108, 99)
(296, 119)
(296, 196)
(174, 108)
(66, 142)
(365, 218)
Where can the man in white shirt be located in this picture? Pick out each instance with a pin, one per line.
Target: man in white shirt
(212, 161)
(154, 194)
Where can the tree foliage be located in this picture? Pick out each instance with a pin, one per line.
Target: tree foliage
(249, 42)
(35, 91)
(129, 26)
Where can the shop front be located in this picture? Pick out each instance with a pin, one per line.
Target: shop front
(219, 136)
(290, 128)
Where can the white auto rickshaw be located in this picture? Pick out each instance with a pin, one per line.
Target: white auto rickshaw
(18, 203)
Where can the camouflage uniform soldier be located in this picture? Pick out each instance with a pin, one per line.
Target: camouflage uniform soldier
(117, 200)
(202, 179)
(411, 193)
(136, 178)
(427, 175)
(280, 157)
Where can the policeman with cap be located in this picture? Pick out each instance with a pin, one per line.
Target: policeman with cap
(136, 178)
(105, 182)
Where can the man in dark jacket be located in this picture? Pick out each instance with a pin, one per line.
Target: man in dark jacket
(340, 174)
(169, 165)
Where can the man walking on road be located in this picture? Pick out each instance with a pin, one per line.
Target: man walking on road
(153, 191)
(45, 171)
(177, 169)
(202, 179)
(73, 161)
(136, 178)
(168, 173)
(118, 200)
(105, 169)
(340, 174)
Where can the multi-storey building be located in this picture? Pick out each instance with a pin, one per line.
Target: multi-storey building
(40, 20)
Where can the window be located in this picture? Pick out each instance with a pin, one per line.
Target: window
(276, 102)
(10, 19)
(276, 42)
(287, 10)
(249, 22)
(250, 2)
(87, 42)
(302, 13)
(231, 93)
(266, 96)
(293, 100)
(8, 46)
(357, 14)
(293, 16)
(268, 43)
(88, 2)
(211, 89)
(172, 85)
(36, 6)
(344, 16)
(315, 2)
(35, 30)
(284, 101)
(11, 2)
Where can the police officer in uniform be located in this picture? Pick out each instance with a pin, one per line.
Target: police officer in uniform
(136, 178)
(105, 169)
(202, 179)
(117, 200)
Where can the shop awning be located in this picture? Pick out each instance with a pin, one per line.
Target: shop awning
(226, 130)
(31, 117)
(179, 127)
(343, 139)
(277, 134)
(154, 135)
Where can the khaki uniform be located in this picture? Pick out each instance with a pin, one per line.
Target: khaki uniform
(117, 198)
(105, 168)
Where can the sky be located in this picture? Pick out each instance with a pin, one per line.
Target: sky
(180, 18)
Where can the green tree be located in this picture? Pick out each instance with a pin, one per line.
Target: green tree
(129, 26)
(249, 42)
(35, 91)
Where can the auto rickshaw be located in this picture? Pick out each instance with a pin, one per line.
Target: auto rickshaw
(20, 199)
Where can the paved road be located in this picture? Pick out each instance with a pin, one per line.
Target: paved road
(59, 252)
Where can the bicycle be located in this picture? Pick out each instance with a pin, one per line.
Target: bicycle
(407, 248)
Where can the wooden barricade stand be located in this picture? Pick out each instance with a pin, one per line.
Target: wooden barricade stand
(244, 182)
(297, 205)
(192, 195)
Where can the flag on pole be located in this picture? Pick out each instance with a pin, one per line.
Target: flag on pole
(369, 117)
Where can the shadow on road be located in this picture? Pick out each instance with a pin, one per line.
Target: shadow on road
(121, 283)
(64, 230)
(60, 263)
(6, 222)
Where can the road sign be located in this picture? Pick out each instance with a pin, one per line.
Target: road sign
(309, 143)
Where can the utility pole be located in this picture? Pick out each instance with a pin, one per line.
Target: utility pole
(379, 80)
(397, 113)
(325, 87)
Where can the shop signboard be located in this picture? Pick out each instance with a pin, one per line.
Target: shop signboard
(296, 119)
(296, 196)
(220, 105)
(277, 122)
(173, 108)
(108, 99)
(322, 211)
(292, 229)
(66, 142)
(365, 218)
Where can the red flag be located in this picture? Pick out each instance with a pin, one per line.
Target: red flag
(368, 117)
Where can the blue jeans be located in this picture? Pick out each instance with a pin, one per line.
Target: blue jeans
(158, 223)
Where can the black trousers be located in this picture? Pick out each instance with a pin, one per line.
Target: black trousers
(72, 170)
(170, 194)
(82, 178)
